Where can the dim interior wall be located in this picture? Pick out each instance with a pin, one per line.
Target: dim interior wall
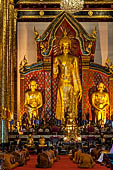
(26, 44)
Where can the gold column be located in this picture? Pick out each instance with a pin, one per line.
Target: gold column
(5, 54)
(15, 63)
(4, 69)
(10, 59)
(7, 64)
(1, 42)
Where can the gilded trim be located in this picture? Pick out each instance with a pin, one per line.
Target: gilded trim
(35, 17)
(38, 2)
(15, 62)
(61, 10)
(99, 2)
(1, 52)
(58, 2)
(24, 14)
(98, 17)
(97, 67)
(53, 16)
(54, 26)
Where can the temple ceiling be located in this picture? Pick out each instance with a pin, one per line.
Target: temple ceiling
(47, 10)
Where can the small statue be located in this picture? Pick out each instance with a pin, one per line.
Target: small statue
(42, 141)
(100, 102)
(33, 101)
(69, 91)
(30, 141)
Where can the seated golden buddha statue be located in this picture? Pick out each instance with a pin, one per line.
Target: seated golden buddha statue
(33, 101)
(100, 102)
(69, 92)
(30, 141)
(42, 141)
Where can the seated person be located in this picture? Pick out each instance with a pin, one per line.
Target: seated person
(44, 160)
(9, 160)
(103, 151)
(77, 155)
(19, 157)
(95, 153)
(86, 161)
(73, 153)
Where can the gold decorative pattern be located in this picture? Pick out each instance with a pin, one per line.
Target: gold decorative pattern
(23, 64)
(88, 49)
(90, 13)
(11, 60)
(25, 61)
(37, 36)
(94, 33)
(15, 62)
(5, 55)
(41, 13)
(58, 2)
(1, 50)
(38, 2)
(107, 62)
(109, 65)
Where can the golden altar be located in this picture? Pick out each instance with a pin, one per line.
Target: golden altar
(91, 74)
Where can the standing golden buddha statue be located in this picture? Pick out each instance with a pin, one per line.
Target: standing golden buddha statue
(69, 91)
(100, 102)
(33, 100)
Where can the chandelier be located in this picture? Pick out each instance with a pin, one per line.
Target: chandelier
(72, 5)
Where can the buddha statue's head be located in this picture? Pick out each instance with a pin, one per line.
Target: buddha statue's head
(65, 43)
(100, 87)
(33, 85)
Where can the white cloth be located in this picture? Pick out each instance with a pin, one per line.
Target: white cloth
(111, 150)
(100, 159)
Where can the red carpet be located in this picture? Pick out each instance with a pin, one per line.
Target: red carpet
(63, 164)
